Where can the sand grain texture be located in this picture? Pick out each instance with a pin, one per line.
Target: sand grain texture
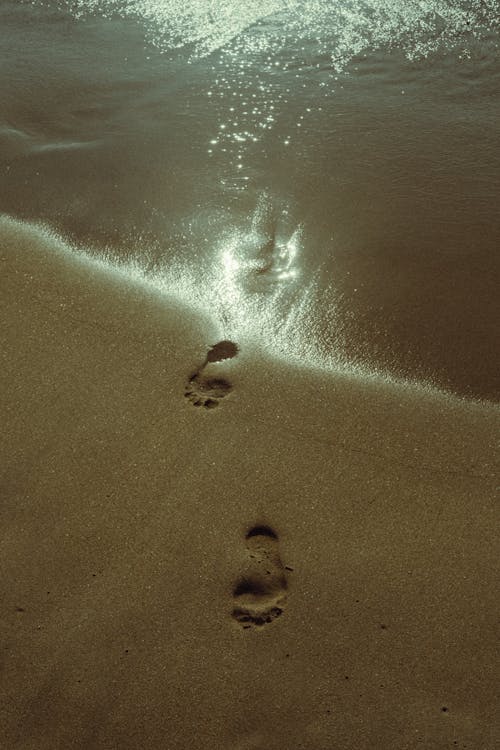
(125, 516)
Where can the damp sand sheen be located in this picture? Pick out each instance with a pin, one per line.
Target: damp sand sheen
(249, 374)
(307, 564)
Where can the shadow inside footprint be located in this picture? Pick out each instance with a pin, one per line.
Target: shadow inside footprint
(223, 350)
(206, 390)
(260, 592)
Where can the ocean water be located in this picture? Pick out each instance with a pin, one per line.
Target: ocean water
(321, 179)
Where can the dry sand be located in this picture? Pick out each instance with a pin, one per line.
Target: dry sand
(135, 608)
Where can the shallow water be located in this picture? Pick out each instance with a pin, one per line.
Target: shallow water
(320, 178)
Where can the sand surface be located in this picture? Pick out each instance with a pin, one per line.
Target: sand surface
(146, 541)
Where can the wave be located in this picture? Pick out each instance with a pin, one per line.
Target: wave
(282, 319)
(271, 53)
(340, 30)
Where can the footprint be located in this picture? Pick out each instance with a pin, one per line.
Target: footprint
(207, 390)
(260, 592)
(223, 350)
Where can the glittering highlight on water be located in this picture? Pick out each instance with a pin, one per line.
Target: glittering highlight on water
(261, 51)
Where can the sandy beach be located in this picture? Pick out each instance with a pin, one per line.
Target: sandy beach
(311, 564)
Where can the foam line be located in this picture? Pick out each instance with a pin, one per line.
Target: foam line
(282, 322)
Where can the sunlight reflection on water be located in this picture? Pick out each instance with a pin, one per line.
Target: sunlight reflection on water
(263, 71)
(282, 321)
(260, 54)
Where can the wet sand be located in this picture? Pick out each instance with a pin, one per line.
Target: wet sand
(311, 564)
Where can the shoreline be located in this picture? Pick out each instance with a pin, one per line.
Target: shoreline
(135, 278)
(126, 526)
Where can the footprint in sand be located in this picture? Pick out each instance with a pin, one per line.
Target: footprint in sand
(207, 392)
(260, 592)
(204, 389)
